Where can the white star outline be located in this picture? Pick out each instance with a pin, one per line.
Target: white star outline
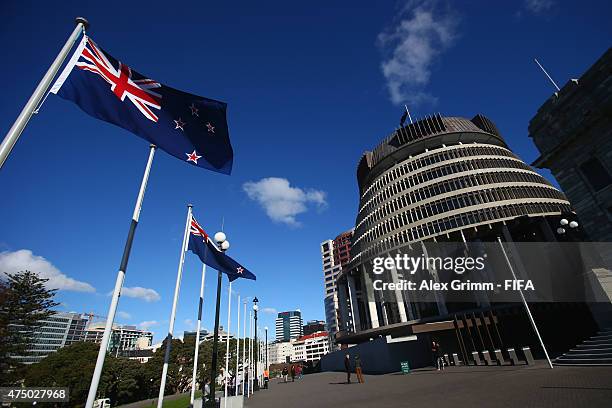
(194, 110)
(193, 157)
(240, 269)
(179, 124)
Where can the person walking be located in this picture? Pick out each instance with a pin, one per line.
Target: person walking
(435, 353)
(292, 372)
(358, 370)
(300, 371)
(347, 367)
(285, 373)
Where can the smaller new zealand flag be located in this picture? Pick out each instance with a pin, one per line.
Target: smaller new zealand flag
(201, 245)
(189, 127)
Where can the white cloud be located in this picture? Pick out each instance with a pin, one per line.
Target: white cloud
(538, 6)
(269, 310)
(281, 201)
(412, 45)
(137, 292)
(147, 324)
(124, 315)
(24, 259)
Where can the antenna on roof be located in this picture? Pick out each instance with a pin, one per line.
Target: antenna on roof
(546, 73)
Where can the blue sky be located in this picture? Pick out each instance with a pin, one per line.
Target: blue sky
(310, 86)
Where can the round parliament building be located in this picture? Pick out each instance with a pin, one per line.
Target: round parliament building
(449, 180)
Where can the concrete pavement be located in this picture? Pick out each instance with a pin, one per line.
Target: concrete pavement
(536, 386)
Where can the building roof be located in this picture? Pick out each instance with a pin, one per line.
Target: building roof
(313, 335)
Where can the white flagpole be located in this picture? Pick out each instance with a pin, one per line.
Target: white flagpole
(95, 379)
(177, 288)
(533, 324)
(227, 341)
(546, 73)
(197, 341)
(250, 353)
(244, 342)
(28, 110)
(237, 377)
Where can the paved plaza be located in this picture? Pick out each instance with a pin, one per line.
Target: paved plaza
(536, 386)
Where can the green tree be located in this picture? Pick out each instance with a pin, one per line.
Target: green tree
(24, 302)
(70, 367)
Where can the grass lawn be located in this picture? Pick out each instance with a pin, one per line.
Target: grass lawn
(182, 402)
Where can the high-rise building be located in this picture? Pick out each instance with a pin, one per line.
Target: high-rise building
(313, 326)
(55, 332)
(447, 179)
(122, 339)
(289, 325)
(573, 131)
(334, 254)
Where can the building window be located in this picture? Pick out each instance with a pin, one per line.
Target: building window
(596, 174)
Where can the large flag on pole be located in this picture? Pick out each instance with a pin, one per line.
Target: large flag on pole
(189, 127)
(201, 245)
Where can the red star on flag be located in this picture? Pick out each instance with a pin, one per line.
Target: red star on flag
(239, 269)
(211, 128)
(193, 157)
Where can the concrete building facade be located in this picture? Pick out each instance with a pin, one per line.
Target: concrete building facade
(312, 347)
(123, 338)
(573, 132)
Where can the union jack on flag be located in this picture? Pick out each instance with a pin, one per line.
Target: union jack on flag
(190, 127)
(120, 79)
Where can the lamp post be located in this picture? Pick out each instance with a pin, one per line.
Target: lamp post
(255, 379)
(223, 244)
(564, 224)
(266, 347)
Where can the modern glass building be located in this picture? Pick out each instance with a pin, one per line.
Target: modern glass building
(289, 325)
(53, 333)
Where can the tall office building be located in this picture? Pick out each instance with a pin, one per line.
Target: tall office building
(55, 332)
(123, 338)
(573, 131)
(448, 179)
(334, 254)
(289, 325)
(313, 326)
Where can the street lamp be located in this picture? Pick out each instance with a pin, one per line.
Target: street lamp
(224, 245)
(564, 223)
(255, 354)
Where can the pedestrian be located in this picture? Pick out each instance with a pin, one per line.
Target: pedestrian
(207, 389)
(285, 373)
(300, 371)
(347, 367)
(266, 378)
(435, 353)
(358, 370)
(292, 372)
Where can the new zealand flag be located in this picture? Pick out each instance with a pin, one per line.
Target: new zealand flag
(189, 127)
(201, 245)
